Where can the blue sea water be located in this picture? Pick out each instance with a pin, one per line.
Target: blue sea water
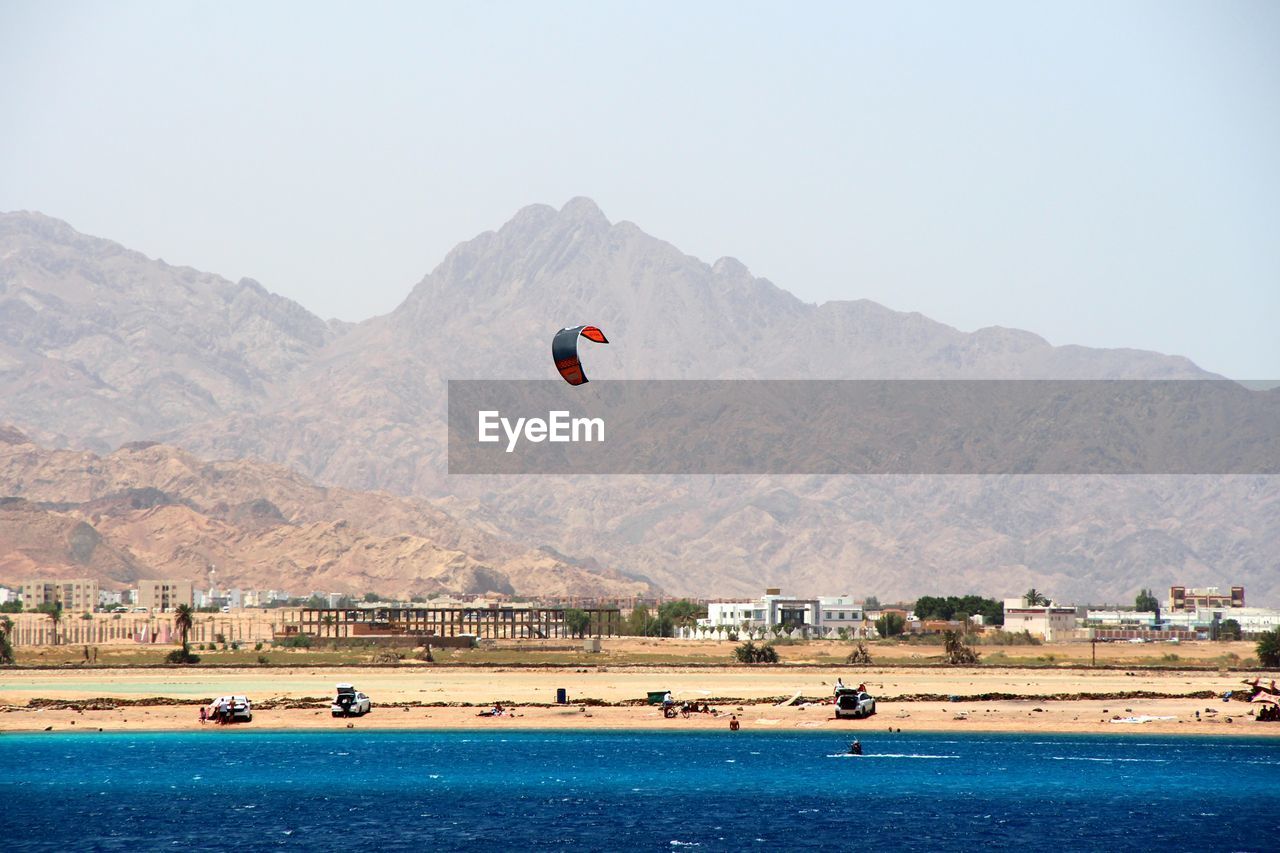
(395, 790)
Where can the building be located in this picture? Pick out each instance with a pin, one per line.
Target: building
(110, 598)
(1130, 619)
(1252, 620)
(77, 594)
(772, 610)
(1048, 621)
(1209, 598)
(839, 612)
(7, 595)
(160, 596)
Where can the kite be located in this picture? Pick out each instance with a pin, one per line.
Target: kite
(564, 351)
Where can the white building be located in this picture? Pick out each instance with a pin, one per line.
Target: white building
(772, 610)
(840, 612)
(1253, 620)
(7, 595)
(1120, 619)
(819, 617)
(1048, 621)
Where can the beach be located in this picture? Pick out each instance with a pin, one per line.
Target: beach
(988, 699)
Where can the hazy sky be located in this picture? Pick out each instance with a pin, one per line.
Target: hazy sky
(1100, 173)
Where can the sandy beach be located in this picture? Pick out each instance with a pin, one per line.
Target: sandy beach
(433, 697)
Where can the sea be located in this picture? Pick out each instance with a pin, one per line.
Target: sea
(356, 790)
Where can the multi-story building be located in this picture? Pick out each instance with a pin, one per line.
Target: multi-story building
(160, 596)
(1048, 621)
(773, 610)
(1209, 598)
(839, 612)
(77, 594)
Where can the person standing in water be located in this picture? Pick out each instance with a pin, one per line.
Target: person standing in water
(855, 748)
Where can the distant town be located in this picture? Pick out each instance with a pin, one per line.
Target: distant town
(81, 611)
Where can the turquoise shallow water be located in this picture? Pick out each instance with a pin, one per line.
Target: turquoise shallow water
(392, 790)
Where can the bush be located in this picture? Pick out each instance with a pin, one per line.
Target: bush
(749, 652)
(860, 655)
(1009, 638)
(258, 646)
(297, 641)
(262, 658)
(1269, 648)
(180, 656)
(387, 656)
(235, 647)
(957, 652)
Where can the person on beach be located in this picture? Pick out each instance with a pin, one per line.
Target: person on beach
(667, 701)
(733, 723)
(204, 714)
(839, 685)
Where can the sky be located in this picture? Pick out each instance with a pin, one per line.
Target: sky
(1104, 174)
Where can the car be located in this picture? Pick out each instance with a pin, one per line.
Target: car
(350, 702)
(241, 709)
(854, 704)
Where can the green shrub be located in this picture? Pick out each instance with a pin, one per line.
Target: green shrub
(1269, 648)
(180, 656)
(749, 652)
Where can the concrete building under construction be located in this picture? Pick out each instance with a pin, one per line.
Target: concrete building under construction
(497, 621)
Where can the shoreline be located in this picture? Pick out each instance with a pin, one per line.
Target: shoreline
(1094, 717)
(952, 699)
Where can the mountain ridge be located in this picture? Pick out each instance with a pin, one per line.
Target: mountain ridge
(364, 409)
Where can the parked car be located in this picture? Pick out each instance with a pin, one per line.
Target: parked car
(231, 709)
(853, 704)
(350, 702)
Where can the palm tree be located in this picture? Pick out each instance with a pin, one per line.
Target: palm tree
(956, 651)
(6, 647)
(54, 612)
(1035, 598)
(183, 621)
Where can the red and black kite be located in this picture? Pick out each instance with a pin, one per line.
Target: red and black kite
(564, 351)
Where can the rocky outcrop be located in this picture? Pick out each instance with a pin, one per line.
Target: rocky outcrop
(154, 511)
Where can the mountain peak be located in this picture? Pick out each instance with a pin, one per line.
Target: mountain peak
(728, 266)
(584, 210)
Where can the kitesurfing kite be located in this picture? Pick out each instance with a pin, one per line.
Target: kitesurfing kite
(564, 351)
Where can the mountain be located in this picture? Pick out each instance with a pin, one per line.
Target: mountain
(149, 510)
(139, 347)
(363, 407)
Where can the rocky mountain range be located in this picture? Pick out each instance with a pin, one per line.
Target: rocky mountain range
(100, 346)
(149, 510)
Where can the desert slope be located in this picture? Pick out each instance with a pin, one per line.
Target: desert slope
(149, 510)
